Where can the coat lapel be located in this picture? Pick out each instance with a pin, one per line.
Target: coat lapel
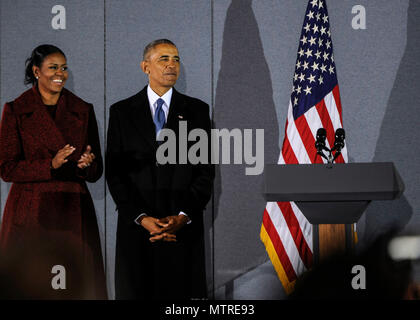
(71, 121)
(66, 129)
(36, 121)
(142, 117)
(177, 111)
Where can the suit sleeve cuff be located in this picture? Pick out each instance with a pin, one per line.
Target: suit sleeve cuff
(184, 214)
(137, 219)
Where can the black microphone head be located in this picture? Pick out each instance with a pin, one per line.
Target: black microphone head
(339, 139)
(321, 134)
(340, 133)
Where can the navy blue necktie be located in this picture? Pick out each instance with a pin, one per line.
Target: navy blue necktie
(159, 118)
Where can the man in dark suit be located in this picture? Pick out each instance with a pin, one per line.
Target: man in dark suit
(160, 241)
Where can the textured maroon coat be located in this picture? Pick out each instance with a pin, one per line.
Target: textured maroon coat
(50, 212)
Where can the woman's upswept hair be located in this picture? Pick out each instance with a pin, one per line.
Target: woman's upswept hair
(37, 58)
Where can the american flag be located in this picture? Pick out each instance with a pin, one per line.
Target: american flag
(314, 103)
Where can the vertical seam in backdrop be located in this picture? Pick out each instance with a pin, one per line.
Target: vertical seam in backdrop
(213, 288)
(105, 127)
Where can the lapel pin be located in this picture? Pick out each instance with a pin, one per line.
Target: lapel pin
(180, 117)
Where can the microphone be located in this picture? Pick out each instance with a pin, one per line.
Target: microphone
(321, 135)
(340, 135)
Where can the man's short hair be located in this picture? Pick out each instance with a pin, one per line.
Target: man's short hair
(153, 44)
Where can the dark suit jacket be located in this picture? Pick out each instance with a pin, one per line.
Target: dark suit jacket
(139, 184)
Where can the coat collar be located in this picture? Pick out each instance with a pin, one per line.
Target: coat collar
(54, 134)
(142, 117)
(31, 100)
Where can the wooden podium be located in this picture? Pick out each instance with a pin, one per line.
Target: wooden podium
(332, 197)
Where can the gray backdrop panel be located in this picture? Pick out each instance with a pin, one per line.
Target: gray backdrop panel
(244, 100)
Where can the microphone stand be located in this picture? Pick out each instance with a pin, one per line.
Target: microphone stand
(329, 158)
(338, 152)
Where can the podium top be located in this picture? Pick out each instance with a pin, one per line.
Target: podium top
(337, 182)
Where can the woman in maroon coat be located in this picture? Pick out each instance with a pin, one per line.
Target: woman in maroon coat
(49, 148)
